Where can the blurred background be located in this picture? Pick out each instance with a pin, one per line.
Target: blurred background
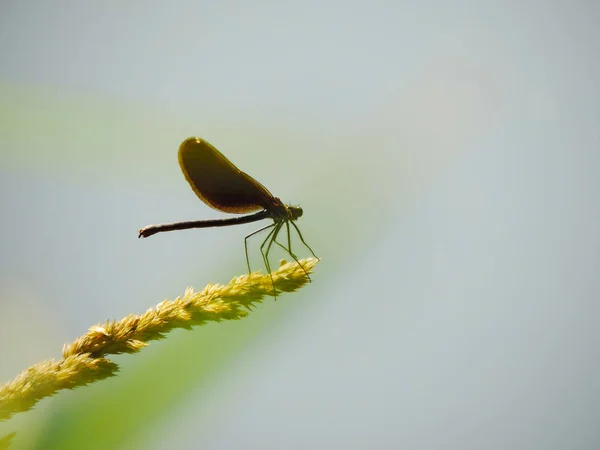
(446, 157)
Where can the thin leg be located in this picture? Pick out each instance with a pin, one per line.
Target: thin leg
(303, 241)
(287, 228)
(277, 229)
(275, 232)
(246, 243)
(295, 259)
(290, 252)
(263, 245)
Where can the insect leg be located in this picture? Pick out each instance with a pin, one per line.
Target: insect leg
(246, 242)
(265, 254)
(291, 253)
(303, 241)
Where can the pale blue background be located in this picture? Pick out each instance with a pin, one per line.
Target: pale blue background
(446, 156)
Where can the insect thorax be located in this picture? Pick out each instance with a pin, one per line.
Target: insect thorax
(280, 212)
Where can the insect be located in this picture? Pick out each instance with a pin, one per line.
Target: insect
(224, 187)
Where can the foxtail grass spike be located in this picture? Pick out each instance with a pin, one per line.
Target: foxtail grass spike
(83, 361)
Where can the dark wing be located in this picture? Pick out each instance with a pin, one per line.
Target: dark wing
(217, 182)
